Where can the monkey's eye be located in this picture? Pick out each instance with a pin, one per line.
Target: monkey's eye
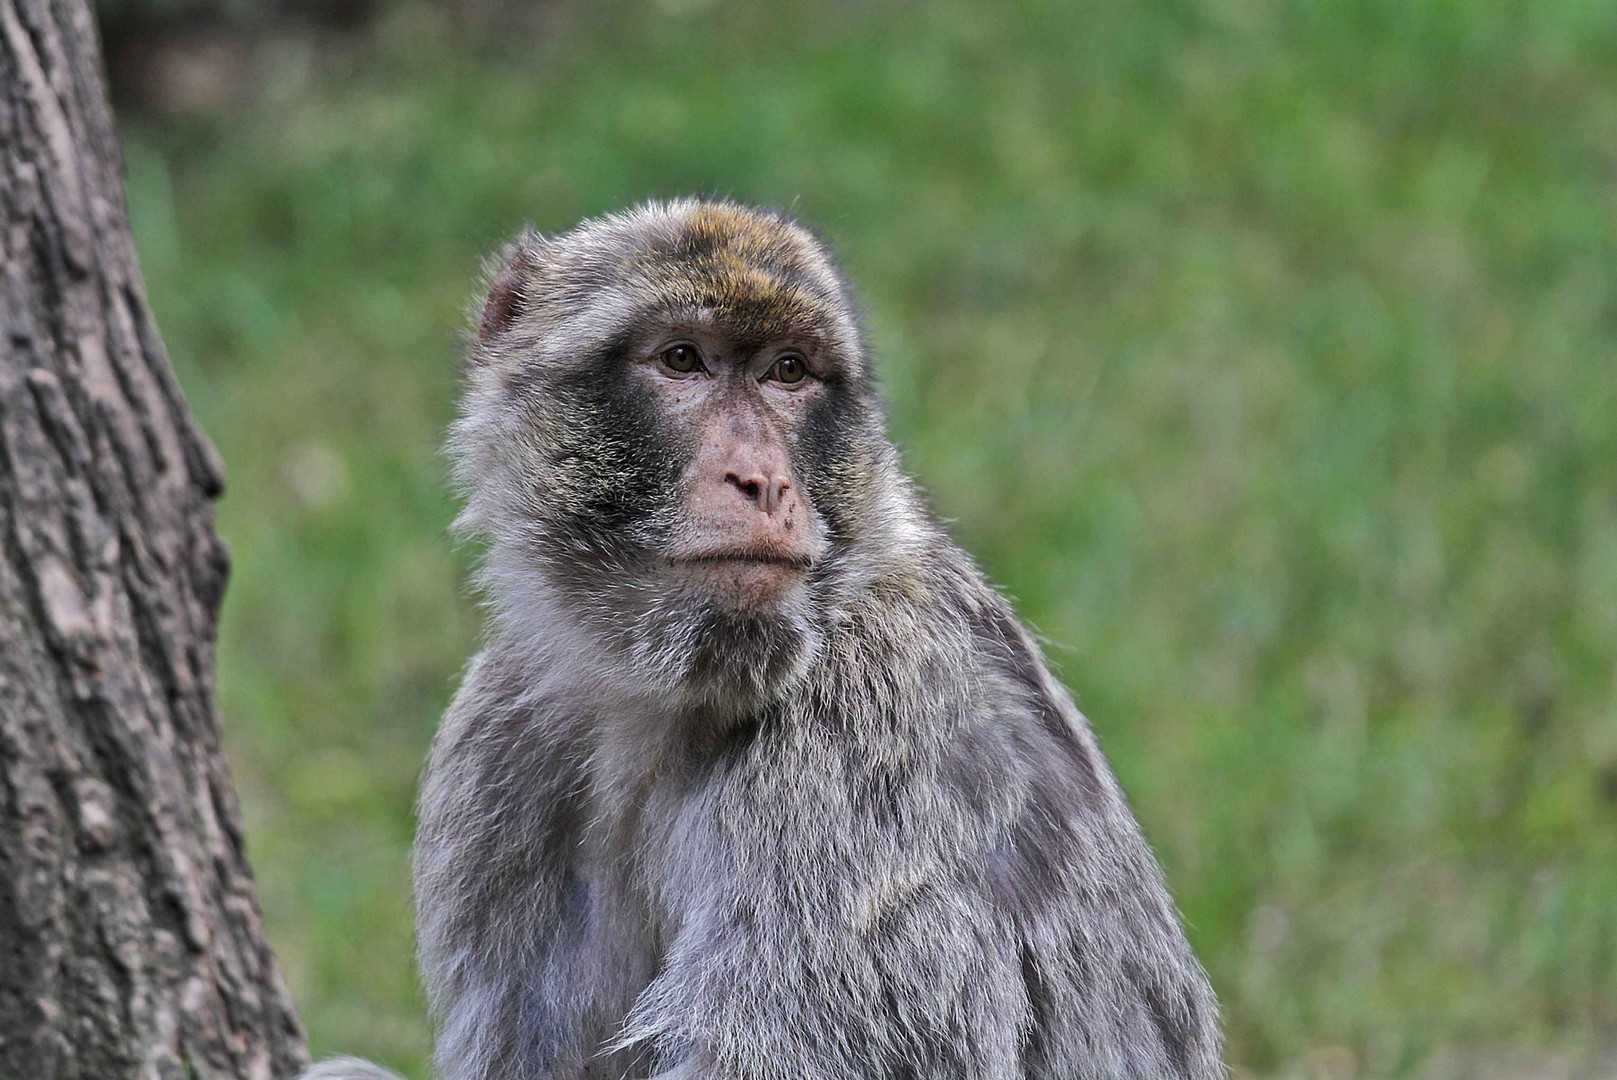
(681, 358)
(789, 369)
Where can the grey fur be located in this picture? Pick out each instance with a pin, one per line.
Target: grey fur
(878, 841)
(346, 1068)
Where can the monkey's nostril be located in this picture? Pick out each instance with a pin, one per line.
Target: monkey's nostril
(751, 487)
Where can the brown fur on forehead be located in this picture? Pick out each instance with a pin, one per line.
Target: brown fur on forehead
(755, 272)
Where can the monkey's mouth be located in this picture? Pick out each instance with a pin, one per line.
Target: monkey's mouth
(739, 551)
(752, 578)
(789, 559)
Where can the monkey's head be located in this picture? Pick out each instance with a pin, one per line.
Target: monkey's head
(671, 441)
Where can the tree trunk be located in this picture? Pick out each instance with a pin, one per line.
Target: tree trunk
(131, 943)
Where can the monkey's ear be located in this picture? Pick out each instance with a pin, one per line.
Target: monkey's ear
(508, 295)
(503, 306)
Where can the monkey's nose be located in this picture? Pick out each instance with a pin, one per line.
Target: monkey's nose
(764, 490)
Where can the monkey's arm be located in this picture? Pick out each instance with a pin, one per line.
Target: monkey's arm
(518, 971)
(1112, 986)
(1111, 983)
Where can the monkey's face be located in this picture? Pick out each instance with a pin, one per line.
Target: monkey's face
(743, 533)
(670, 430)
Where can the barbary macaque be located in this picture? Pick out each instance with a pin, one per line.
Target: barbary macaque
(755, 777)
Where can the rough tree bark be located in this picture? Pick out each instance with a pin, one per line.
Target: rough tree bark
(130, 938)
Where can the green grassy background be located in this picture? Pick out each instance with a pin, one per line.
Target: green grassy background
(1263, 351)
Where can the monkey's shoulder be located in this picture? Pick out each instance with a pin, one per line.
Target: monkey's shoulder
(506, 741)
(1068, 819)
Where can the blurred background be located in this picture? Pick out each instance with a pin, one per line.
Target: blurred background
(1265, 352)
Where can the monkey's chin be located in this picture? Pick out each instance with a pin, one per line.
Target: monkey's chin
(733, 634)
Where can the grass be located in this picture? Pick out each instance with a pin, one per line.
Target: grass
(1263, 351)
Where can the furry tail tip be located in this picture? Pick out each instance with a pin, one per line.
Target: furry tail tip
(346, 1068)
